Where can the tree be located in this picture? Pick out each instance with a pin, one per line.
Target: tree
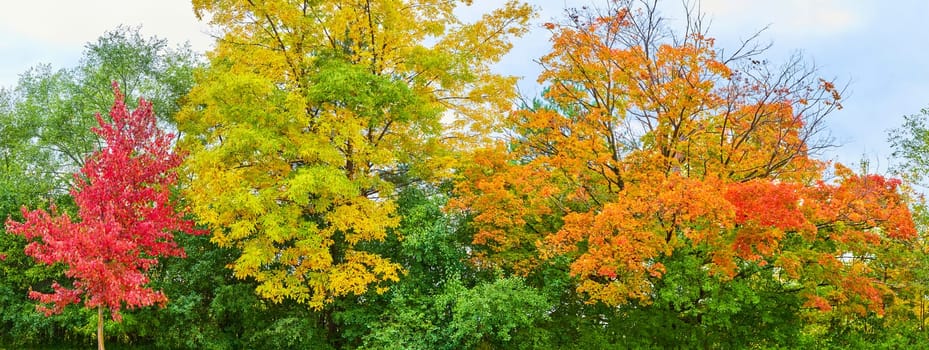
(312, 114)
(910, 143)
(652, 151)
(127, 220)
(45, 135)
(53, 108)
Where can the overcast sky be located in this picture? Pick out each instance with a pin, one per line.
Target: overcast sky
(880, 48)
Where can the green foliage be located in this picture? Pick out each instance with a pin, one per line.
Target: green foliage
(50, 112)
(911, 144)
(442, 302)
(501, 313)
(20, 323)
(210, 309)
(22, 184)
(690, 309)
(693, 309)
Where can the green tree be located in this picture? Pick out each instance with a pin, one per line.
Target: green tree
(53, 109)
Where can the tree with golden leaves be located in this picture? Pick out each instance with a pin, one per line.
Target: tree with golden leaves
(314, 113)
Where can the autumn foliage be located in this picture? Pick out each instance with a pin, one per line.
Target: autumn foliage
(126, 218)
(367, 179)
(648, 144)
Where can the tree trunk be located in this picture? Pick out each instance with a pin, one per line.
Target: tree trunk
(100, 327)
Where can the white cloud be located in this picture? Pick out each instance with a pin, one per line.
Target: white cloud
(73, 23)
(789, 19)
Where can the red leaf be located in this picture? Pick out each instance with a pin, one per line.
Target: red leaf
(126, 217)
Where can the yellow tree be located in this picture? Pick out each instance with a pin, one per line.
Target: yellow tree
(650, 144)
(314, 112)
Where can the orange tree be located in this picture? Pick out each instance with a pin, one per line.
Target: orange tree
(676, 183)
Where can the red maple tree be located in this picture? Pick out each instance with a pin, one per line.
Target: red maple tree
(127, 219)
